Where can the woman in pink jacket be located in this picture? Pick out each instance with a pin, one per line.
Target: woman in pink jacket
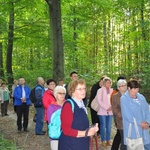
(105, 111)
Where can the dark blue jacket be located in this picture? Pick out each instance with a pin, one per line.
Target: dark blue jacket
(39, 91)
(18, 95)
(80, 122)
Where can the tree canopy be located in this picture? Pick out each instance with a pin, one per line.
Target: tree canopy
(99, 38)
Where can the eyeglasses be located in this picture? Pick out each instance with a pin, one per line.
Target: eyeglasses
(81, 89)
(52, 84)
(61, 93)
(122, 85)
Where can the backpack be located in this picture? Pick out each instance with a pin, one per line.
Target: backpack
(54, 128)
(32, 95)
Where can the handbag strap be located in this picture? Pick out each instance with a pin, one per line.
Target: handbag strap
(136, 129)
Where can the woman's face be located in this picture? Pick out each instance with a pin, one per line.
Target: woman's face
(80, 92)
(3, 86)
(133, 92)
(101, 83)
(123, 87)
(60, 96)
(107, 84)
(51, 86)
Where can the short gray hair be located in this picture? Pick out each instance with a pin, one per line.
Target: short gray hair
(39, 78)
(57, 89)
(120, 82)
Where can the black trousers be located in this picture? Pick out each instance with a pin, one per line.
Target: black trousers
(4, 107)
(95, 119)
(117, 141)
(22, 110)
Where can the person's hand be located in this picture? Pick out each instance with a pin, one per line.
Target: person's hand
(23, 100)
(93, 130)
(109, 109)
(144, 125)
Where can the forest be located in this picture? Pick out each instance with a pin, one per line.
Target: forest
(51, 38)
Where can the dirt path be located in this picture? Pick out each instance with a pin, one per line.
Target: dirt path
(25, 140)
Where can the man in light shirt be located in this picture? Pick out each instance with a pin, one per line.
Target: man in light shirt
(22, 103)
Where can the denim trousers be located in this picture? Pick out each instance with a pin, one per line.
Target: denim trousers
(39, 119)
(105, 127)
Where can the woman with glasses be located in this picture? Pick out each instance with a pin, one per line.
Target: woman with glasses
(105, 111)
(122, 87)
(48, 96)
(135, 107)
(75, 125)
(59, 94)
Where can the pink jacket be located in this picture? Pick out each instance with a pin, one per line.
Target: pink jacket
(103, 101)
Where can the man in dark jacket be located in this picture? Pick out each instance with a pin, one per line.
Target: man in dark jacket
(39, 91)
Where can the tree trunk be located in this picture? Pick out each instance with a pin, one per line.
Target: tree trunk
(1, 62)
(10, 45)
(57, 41)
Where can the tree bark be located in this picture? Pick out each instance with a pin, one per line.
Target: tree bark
(57, 39)
(1, 62)
(10, 45)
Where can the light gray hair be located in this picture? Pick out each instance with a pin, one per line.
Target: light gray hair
(57, 89)
(120, 82)
(39, 78)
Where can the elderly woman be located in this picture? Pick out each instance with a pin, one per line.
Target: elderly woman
(4, 99)
(134, 105)
(75, 125)
(59, 94)
(122, 87)
(105, 111)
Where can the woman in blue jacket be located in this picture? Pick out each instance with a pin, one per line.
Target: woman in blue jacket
(134, 105)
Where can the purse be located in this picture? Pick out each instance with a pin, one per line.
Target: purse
(134, 144)
(94, 104)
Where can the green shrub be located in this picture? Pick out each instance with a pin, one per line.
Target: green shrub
(7, 144)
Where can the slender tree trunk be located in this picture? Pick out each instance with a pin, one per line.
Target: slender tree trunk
(57, 40)
(10, 45)
(1, 62)
(105, 47)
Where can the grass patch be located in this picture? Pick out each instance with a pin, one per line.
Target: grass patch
(7, 144)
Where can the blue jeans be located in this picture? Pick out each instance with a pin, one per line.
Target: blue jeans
(105, 127)
(39, 119)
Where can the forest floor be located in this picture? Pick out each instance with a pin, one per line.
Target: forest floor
(26, 140)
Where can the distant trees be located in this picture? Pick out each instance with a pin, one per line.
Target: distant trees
(52, 38)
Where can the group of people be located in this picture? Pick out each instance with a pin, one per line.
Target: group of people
(126, 105)
(76, 130)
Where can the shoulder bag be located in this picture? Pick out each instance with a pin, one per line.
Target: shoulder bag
(94, 104)
(134, 144)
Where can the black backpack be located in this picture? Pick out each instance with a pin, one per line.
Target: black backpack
(32, 95)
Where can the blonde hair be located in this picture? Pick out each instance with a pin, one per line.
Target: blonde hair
(73, 84)
(106, 79)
